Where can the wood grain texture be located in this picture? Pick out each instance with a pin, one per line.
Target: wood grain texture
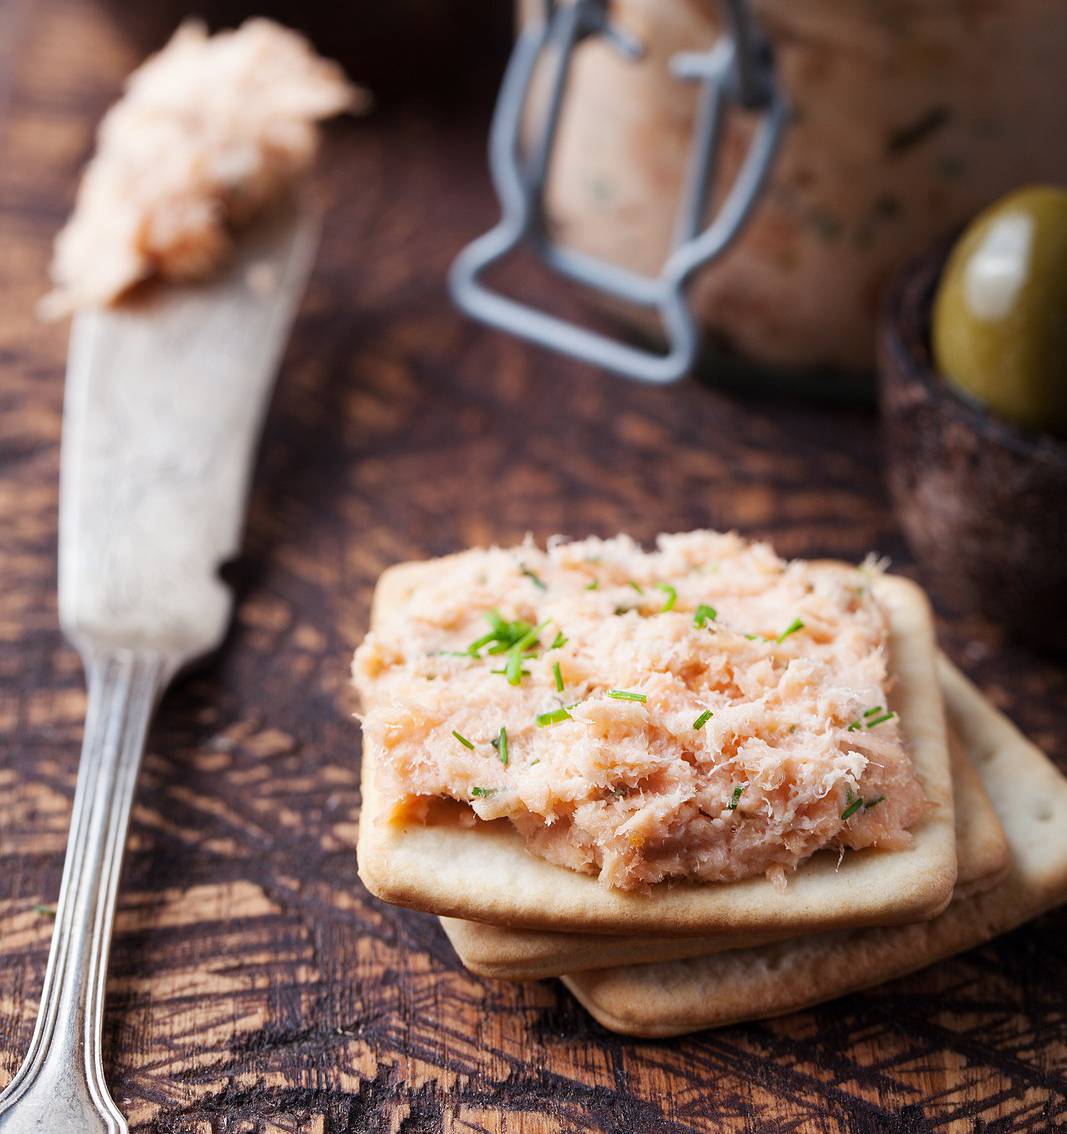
(254, 986)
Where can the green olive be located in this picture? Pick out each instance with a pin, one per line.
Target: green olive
(1000, 315)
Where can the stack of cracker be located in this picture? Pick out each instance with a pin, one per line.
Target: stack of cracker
(681, 957)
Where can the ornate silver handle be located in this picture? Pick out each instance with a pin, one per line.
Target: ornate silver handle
(60, 1088)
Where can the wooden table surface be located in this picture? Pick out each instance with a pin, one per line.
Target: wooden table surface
(254, 985)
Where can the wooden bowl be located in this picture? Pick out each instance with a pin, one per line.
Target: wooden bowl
(981, 502)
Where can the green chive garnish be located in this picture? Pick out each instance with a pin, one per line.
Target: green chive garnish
(704, 613)
(513, 670)
(868, 804)
(463, 740)
(636, 586)
(503, 633)
(502, 745)
(559, 641)
(672, 596)
(478, 643)
(736, 797)
(593, 586)
(537, 581)
(558, 675)
(530, 637)
(703, 719)
(792, 628)
(854, 803)
(482, 792)
(624, 695)
(869, 721)
(554, 717)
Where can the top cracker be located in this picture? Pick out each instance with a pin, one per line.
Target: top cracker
(707, 715)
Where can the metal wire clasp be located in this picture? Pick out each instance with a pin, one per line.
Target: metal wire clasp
(738, 69)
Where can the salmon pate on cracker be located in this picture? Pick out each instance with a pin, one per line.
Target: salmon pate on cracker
(704, 712)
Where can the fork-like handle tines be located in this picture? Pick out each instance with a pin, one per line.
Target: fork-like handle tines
(60, 1089)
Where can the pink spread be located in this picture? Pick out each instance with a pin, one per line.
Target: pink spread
(704, 711)
(209, 131)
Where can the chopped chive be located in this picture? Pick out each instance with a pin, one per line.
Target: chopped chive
(553, 717)
(502, 745)
(482, 792)
(636, 586)
(852, 808)
(537, 581)
(736, 797)
(753, 637)
(624, 695)
(503, 670)
(703, 719)
(530, 637)
(593, 586)
(624, 609)
(503, 633)
(513, 669)
(463, 740)
(868, 720)
(672, 596)
(43, 910)
(868, 804)
(558, 675)
(478, 643)
(559, 641)
(532, 762)
(704, 613)
(792, 628)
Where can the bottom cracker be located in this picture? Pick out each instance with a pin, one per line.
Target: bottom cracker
(1030, 797)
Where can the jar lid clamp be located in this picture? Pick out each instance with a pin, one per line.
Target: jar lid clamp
(738, 69)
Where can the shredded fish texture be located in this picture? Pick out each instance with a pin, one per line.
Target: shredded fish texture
(800, 752)
(209, 131)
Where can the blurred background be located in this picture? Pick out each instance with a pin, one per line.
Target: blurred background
(254, 986)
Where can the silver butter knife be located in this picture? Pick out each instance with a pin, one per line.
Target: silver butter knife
(164, 401)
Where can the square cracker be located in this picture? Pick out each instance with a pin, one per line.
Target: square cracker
(530, 954)
(485, 873)
(1030, 796)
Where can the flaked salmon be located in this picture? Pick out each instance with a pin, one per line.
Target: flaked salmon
(704, 711)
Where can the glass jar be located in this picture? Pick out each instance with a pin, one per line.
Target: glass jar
(908, 116)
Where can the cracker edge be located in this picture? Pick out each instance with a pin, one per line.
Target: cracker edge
(657, 1000)
(925, 871)
(520, 955)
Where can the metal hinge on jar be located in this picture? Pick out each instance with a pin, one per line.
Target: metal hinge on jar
(737, 70)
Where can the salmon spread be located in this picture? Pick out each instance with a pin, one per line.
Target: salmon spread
(705, 711)
(209, 131)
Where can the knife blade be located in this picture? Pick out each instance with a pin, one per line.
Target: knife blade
(164, 402)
